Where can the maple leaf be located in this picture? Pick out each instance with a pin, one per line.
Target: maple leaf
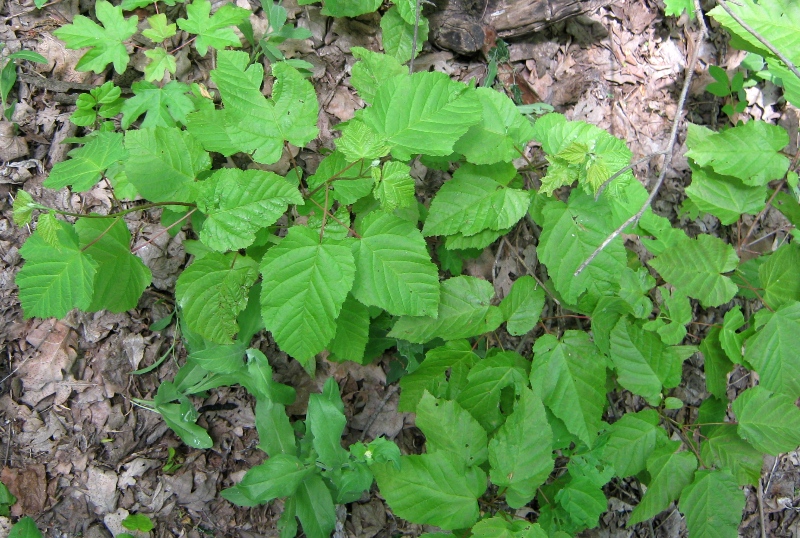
(212, 30)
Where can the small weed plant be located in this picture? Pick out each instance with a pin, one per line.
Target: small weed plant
(347, 261)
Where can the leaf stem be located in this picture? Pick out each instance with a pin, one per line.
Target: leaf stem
(329, 214)
(621, 171)
(759, 217)
(99, 237)
(334, 177)
(122, 212)
(162, 232)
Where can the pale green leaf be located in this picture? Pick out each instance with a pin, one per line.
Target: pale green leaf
(358, 141)
(455, 357)
(631, 441)
(305, 283)
(88, 163)
(160, 62)
(772, 351)
(670, 472)
(779, 276)
(372, 71)
(725, 197)
(677, 7)
(212, 30)
(394, 270)
(398, 35)
(694, 267)
(25, 528)
(449, 428)
(48, 228)
(352, 332)
(23, 208)
(584, 501)
(713, 505)
(349, 8)
(212, 291)
(239, 203)
(724, 449)
(217, 131)
(523, 305)
(396, 187)
(164, 107)
(770, 422)
(520, 453)
(159, 29)
(499, 527)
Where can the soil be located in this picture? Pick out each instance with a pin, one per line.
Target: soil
(80, 455)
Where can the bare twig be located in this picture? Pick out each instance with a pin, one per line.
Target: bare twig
(389, 393)
(414, 38)
(670, 145)
(760, 215)
(162, 232)
(621, 171)
(26, 11)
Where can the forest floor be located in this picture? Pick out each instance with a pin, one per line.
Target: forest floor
(80, 456)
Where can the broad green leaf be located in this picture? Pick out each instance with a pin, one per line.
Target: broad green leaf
(239, 203)
(275, 434)
(779, 276)
(212, 291)
(259, 380)
(358, 141)
(398, 35)
(634, 289)
(678, 310)
(520, 453)
(351, 180)
(54, 281)
(105, 42)
(502, 134)
(164, 163)
(23, 208)
(305, 283)
(456, 357)
(212, 30)
(713, 505)
(772, 351)
(121, 277)
(88, 163)
(279, 476)
(472, 202)
(479, 241)
(352, 332)
(725, 197)
(159, 29)
(750, 152)
(584, 501)
(393, 268)
(449, 428)
(422, 113)
(523, 305)
(181, 419)
(724, 449)
(48, 227)
(264, 124)
(372, 71)
(164, 107)
(396, 187)
(676, 8)
(670, 472)
(606, 314)
(217, 131)
(161, 61)
(716, 364)
(25, 528)
(430, 489)
(569, 375)
(498, 527)
(326, 421)
(694, 267)
(631, 441)
(731, 341)
(349, 8)
(770, 422)
(485, 383)
(465, 303)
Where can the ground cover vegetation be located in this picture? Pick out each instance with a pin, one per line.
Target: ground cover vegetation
(347, 261)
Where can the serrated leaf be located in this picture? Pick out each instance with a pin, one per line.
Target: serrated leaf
(724, 449)
(105, 43)
(25, 528)
(212, 291)
(121, 277)
(679, 312)
(694, 267)
(431, 489)
(772, 351)
(394, 270)
(160, 62)
(750, 152)
(523, 305)
(88, 163)
(631, 441)
(215, 130)
(398, 35)
(23, 208)
(713, 505)
(372, 71)
(358, 141)
(570, 377)
(779, 276)
(396, 187)
(584, 501)
(352, 332)
(677, 7)
(520, 453)
(305, 284)
(455, 357)
(159, 29)
(349, 8)
(770, 422)
(464, 304)
(451, 429)
(442, 112)
(725, 197)
(48, 227)
(670, 472)
(164, 162)
(716, 364)
(164, 107)
(239, 203)
(262, 125)
(212, 30)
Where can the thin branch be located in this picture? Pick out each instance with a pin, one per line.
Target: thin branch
(331, 215)
(670, 146)
(120, 213)
(760, 216)
(621, 171)
(414, 38)
(331, 179)
(26, 11)
(99, 237)
(162, 232)
(761, 39)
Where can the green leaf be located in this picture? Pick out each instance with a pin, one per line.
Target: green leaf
(523, 305)
(305, 284)
(25, 528)
(396, 187)
(160, 62)
(678, 310)
(779, 276)
(716, 364)
(159, 29)
(631, 441)
(750, 152)
(713, 505)
(275, 434)
(442, 112)
(181, 419)
(569, 375)
(725, 197)
(502, 134)
(770, 422)
(239, 203)
(105, 43)
(164, 106)
(360, 142)
(88, 163)
(677, 7)
(455, 357)
(431, 489)
(349, 8)
(352, 332)
(724, 449)
(164, 163)
(23, 208)
(54, 281)
(121, 277)
(498, 527)
(279, 476)
(372, 71)
(694, 268)
(449, 428)
(472, 202)
(212, 291)
(520, 453)
(326, 421)
(212, 30)
(398, 35)
(262, 125)
(772, 351)
(670, 472)
(394, 270)
(465, 303)
(583, 500)
(138, 522)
